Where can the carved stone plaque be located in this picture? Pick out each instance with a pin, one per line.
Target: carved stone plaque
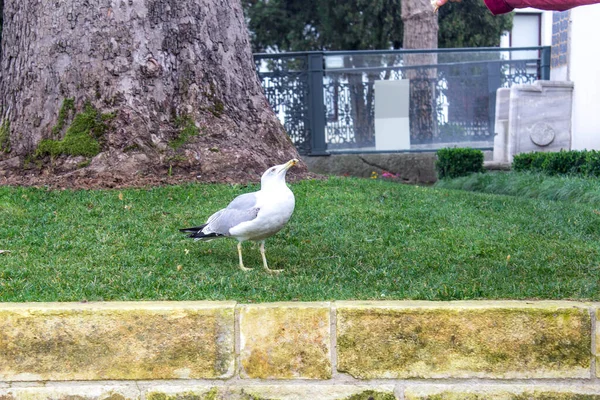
(542, 134)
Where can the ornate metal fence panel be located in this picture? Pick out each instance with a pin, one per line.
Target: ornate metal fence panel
(349, 105)
(285, 82)
(452, 102)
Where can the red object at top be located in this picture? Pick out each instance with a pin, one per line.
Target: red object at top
(505, 6)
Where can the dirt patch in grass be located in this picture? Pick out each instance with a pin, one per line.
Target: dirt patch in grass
(89, 179)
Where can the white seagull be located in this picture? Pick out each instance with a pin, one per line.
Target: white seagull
(253, 216)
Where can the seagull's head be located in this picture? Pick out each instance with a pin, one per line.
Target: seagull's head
(276, 175)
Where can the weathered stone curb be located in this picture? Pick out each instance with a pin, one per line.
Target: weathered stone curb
(390, 391)
(413, 350)
(502, 392)
(129, 340)
(464, 340)
(285, 341)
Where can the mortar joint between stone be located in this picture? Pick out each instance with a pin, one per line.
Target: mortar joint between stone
(333, 333)
(593, 353)
(399, 391)
(237, 342)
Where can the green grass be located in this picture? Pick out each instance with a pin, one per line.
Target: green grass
(533, 185)
(348, 239)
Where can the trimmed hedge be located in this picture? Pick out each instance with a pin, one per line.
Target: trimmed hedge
(452, 163)
(573, 162)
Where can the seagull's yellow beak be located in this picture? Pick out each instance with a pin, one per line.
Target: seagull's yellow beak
(290, 164)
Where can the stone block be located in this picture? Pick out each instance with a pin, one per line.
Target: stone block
(540, 117)
(503, 392)
(129, 340)
(410, 167)
(272, 392)
(94, 392)
(597, 348)
(501, 339)
(501, 125)
(285, 341)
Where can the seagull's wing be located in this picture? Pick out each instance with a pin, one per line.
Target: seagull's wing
(244, 202)
(241, 209)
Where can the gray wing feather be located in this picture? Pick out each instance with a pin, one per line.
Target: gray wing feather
(228, 218)
(243, 202)
(241, 209)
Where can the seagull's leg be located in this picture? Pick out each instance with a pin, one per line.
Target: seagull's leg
(239, 246)
(262, 253)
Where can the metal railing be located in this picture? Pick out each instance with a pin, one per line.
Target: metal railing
(325, 100)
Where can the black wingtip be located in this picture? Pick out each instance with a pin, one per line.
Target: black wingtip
(202, 235)
(195, 229)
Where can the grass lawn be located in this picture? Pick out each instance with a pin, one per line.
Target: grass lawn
(528, 184)
(348, 239)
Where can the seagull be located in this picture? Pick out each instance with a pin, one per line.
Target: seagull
(253, 216)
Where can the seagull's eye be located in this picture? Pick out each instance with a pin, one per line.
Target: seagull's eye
(272, 170)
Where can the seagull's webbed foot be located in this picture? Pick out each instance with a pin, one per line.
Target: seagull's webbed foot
(239, 247)
(266, 267)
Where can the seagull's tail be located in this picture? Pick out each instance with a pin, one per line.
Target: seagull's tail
(195, 229)
(196, 233)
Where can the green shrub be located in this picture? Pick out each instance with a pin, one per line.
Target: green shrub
(573, 162)
(452, 163)
(523, 162)
(563, 162)
(537, 161)
(592, 163)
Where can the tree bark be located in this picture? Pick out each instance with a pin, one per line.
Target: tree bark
(153, 64)
(421, 32)
(361, 104)
(1, 20)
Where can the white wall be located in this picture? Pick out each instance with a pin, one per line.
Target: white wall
(584, 71)
(546, 23)
(523, 34)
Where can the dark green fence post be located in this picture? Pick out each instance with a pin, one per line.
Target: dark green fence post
(316, 104)
(494, 70)
(545, 60)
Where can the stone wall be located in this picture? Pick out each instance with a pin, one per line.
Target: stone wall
(413, 350)
(410, 167)
(534, 117)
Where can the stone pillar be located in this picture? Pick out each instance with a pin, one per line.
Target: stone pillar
(533, 117)
(539, 117)
(501, 126)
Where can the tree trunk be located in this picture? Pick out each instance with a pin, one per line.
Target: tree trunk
(362, 97)
(361, 105)
(170, 86)
(421, 32)
(1, 20)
